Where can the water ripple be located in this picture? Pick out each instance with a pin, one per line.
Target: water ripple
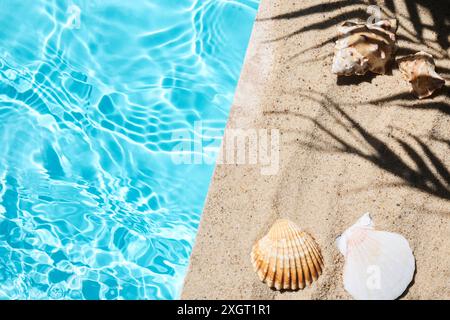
(91, 204)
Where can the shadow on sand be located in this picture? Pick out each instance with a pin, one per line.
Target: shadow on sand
(343, 134)
(411, 25)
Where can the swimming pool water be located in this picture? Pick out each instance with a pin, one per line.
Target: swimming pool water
(93, 94)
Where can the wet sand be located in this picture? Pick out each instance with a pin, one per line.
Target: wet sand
(347, 146)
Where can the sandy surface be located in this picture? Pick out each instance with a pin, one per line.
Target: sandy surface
(346, 147)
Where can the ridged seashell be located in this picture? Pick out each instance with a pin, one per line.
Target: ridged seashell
(419, 70)
(363, 47)
(379, 265)
(287, 258)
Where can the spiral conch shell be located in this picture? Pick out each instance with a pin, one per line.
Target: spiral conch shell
(379, 265)
(419, 70)
(287, 258)
(363, 47)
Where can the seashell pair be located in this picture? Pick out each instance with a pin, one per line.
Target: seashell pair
(363, 47)
(379, 265)
(287, 258)
(419, 70)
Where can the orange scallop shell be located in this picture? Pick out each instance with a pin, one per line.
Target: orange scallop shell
(287, 258)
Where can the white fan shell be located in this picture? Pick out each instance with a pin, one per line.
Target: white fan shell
(379, 265)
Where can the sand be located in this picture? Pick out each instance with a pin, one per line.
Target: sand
(346, 147)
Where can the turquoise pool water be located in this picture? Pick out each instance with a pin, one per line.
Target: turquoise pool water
(93, 94)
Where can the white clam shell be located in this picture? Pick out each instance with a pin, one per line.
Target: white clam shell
(379, 265)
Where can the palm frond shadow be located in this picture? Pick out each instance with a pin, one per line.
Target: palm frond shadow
(429, 173)
(325, 24)
(439, 11)
(441, 140)
(320, 8)
(401, 99)
(320, 45)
